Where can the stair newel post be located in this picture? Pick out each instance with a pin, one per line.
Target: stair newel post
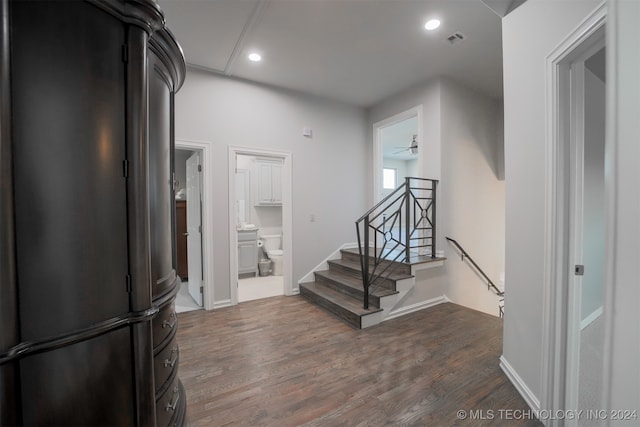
(407, 226)
(434, 185)
(365, 263)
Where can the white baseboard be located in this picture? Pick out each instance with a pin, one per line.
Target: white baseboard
(402, 311)
(309, 277)
(520, 385)
(222, 304)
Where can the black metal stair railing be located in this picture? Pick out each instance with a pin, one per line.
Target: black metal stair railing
(464, 254)
(400, 226)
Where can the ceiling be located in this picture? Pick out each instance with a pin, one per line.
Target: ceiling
(355, 51)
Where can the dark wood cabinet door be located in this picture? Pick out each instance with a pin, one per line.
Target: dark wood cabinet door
(161, 195)
(69, 142)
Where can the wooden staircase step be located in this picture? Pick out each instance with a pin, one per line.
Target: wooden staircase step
(338, 303)
(353, 255)
(353, 267)
(351, 286)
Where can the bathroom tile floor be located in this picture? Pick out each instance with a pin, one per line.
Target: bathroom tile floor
(253, 288)
(249, 289)
(184, 302)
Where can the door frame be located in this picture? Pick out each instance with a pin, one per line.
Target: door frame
(287, 218)
(560, 350)
(417, 112)
(205, 148)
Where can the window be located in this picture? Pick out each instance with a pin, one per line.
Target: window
(388, 179)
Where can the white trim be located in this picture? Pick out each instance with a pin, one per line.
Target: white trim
(526, 393)
(287, 218)
(416, 111)
(591, 318)
(222, 304)
(205, 147)
(557, 232)
(403, 311)
(324, 265)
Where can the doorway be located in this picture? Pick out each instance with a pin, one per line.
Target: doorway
(188, 190)
(397, 151)
(260, 224)
(204, 149)
(576, 225)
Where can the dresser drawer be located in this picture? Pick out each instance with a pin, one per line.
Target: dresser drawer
(169, 404)
(165, 363)
(164, 324)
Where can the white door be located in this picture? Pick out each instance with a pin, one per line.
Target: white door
(587, 250)
(194, 227)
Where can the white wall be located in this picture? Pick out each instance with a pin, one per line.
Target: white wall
(529, 34)
(471, 194)
(329, 176)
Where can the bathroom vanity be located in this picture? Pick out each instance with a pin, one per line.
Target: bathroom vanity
(248, 252)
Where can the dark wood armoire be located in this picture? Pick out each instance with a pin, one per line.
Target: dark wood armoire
(87, 235)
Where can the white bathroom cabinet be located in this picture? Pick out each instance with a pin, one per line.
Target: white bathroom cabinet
(248, 252)
(268, 183)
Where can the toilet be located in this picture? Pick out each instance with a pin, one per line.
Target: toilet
(271, 246)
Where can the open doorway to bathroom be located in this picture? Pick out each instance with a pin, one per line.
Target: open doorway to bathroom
(188, 216)
(260, 224)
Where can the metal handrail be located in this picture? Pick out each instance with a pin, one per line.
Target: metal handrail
(413, 203)
(380, 203)
(464, 253)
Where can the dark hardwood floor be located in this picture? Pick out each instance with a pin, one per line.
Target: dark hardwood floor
(284, 362)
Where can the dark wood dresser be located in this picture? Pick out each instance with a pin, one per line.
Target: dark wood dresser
(87, 228)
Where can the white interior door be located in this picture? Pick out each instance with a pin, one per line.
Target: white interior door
(587, 252)
(194, 227)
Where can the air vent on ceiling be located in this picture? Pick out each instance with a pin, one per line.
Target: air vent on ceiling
(455, 37)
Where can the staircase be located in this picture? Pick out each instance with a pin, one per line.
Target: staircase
(366, 283)
(340, 290)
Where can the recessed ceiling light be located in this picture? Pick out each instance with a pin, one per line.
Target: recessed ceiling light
(432, 24)
(255, 57)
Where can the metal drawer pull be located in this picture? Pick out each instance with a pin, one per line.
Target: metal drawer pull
(170, 324)
(174, 358)
(172, 406)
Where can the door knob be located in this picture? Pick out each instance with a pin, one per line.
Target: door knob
(186, 234)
